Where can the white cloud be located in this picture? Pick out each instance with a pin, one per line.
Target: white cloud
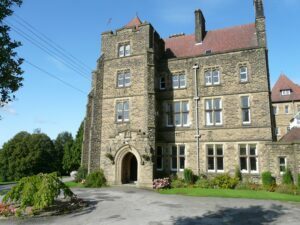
(59, 65)
(9, 110)
(40, 121)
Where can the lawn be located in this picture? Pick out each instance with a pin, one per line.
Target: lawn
(73, 184)
(225, 193)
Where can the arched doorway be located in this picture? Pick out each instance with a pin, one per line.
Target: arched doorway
(129, 169)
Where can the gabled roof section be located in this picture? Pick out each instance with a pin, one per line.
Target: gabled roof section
(216, 41)
(292, 136)
(284, 83)
(135, 22)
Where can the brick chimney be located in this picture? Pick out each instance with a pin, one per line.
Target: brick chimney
(199, 26)
(260, 23)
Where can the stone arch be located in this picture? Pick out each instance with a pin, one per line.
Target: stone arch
(119, 160)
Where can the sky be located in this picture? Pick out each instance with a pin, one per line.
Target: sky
(75, 26)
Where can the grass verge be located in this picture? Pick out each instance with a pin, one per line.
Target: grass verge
(226, 193)
(73, 184)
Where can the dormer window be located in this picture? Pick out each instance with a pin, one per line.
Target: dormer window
(124, 50)
(286, 92)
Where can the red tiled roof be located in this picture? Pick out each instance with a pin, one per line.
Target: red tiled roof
(292, 136)
(284, 83)
(134, 22)
(223, 40)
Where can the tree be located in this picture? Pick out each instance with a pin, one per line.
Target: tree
(63, 139)
(72, 152)
(25, 155)
(10, 71)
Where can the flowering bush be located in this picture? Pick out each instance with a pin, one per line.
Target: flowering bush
(7, 210)
(162, 183)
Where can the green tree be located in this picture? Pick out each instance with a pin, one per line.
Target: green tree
(72, 152)
(25, 155)
(10, 71)
(62, 139)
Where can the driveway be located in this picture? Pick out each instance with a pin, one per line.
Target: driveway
(128, 205)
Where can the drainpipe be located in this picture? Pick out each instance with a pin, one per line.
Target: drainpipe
(196, 99)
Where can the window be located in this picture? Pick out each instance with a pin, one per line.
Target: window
(177, 114)
(248, 158)
(245, 105)
(282, 164)
(159, 158)
(288, 129)
(286, 92)
(298, 108)
(177, 157)
(286, 109)
(275, 110)
(178, 81)
(123, 111)
(213, 111)
(243, 74)
(277, 131)
(124, 50)
(124, 79)
(215, 158)
(212, 77)
(162, 83)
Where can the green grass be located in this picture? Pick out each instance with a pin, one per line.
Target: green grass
(73, 184)
(226, 193)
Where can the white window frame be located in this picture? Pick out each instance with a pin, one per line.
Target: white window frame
(124, 76)
(180, 77)
(170, 112)
(124, 50)
(277, 131)
(213, 111)
(178, 157)
(248, 156)
(285, 164)
(276, 108)
(123, 110)
(244, 73)
(285, 92)
(215, 157)
(246, 108)
(209, 77)
(162, 80)
(161, 158)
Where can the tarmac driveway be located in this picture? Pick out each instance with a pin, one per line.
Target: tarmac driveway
(128, 205)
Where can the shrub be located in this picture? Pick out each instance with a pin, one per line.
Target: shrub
(37, 191)
(95, 179)
(225, 181)
(188, 176)
(161, 183)
(287, 177)
(267, 179)
(298, 183)
(81, 174)
(248, 186)
(204, 183)
(238, 174)
(179, 183)
(287, 189)
(7, 210)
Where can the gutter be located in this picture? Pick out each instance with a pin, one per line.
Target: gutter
(196, 99)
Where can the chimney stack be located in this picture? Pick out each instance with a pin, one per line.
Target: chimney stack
(259, 9)
(260, 23)
(199, 26)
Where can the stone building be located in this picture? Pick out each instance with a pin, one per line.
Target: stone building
(286, 104)
(199, 101)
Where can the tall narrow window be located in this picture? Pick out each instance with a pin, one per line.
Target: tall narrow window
(127, 50)
(243, 74)
(275, 110)
(122, 111)
(213, 111)
(159, 158)
(212, 77)
(245, 105)
(178, 114)
(286, 109)
(121, 51)
(124, 79)
(162, 83)
(215, 158)
(178, 157)
(248, 158)
(178, 81)
(282, 164)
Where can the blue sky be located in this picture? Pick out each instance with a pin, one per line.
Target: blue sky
(76, 26)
